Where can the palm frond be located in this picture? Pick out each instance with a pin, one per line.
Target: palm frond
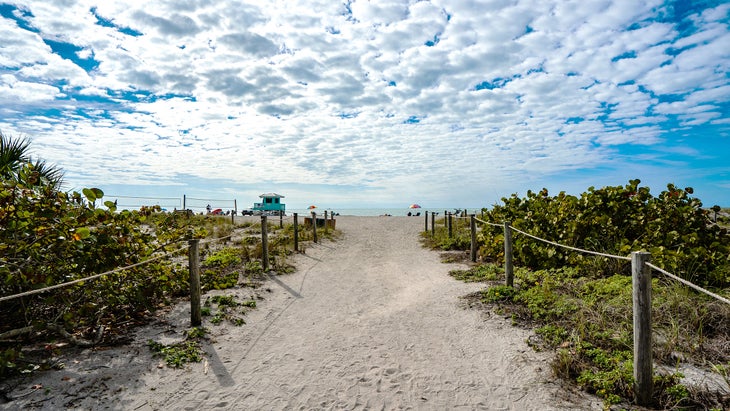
(13, 153)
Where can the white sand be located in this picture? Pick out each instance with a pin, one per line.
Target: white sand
(371, 321)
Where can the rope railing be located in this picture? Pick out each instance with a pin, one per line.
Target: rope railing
(114, 271)
(92, 277)
(668, 274)
(488, 223)
(212, 240)
(618, 257)
(689, 284)
(193, 267)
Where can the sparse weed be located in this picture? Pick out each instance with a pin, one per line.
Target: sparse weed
(226, 305)
(483, 272)
(178, 354)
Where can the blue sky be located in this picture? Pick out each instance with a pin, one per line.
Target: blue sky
(447, 103)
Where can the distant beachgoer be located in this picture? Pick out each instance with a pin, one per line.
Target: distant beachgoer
(208, 208)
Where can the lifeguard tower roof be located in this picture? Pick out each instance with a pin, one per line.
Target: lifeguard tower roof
(271, 195)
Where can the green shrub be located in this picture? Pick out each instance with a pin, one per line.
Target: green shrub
(224, 258)
(499, 293)
(218, 279)
(673, 226)
(552, 335)
(254, 268)
(483, 272)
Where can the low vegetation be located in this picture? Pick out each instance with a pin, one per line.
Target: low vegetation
(49, 237)
(580, 306)
(178, 354)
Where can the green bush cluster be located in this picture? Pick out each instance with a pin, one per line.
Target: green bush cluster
(221, 269)
(616, 220)
(582, 304)
(48, 237)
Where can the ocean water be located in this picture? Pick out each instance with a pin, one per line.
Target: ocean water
(377, 211)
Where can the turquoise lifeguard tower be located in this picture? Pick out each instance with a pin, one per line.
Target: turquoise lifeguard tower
(270, 204)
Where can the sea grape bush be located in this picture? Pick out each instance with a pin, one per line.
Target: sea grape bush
(50, 237)
(617, 220)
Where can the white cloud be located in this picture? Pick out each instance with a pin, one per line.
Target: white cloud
(406, 97)
(21, 92)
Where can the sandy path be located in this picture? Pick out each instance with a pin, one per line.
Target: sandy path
(371, 321)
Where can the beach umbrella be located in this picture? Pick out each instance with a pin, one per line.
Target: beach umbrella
(312, 207)
(414, 206)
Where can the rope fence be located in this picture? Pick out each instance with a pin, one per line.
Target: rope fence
(689, 284)
(193, 262)
(92, 277)
(580, 250)
(641, 289)
(618, 257)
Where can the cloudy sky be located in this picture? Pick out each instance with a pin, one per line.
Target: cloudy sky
(371, 103)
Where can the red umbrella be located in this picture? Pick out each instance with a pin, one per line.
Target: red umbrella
(414, 206)
(312, 207)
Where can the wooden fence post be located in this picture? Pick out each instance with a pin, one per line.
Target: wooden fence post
(446, 221)
(325, 221)
(448, 225)
(281, 219)
(508, 268)
(433, 224)
(184, 205)
(194, 268)
(643, 371)
(314, 225)
(296, 232)
(264, 244)
(473, 226)
(426, 226)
